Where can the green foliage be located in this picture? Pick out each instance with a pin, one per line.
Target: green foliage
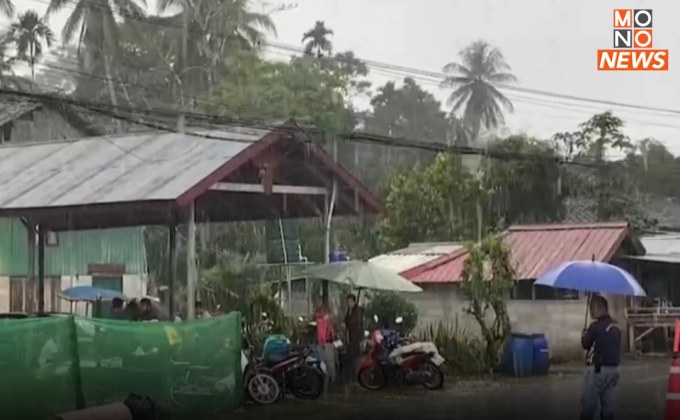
(388, 306)
(436, 203)
(515, 186)
(488, 279)
(464, 352)
(303, 90)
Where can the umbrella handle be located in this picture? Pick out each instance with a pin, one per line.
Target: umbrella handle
(585, 323)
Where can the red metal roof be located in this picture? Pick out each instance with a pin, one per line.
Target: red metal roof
(534, 249)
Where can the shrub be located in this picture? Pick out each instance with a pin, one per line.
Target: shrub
(464, 353)
(388, 306)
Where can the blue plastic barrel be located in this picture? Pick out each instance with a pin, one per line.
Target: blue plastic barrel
(541, 354)
(518, 357)
(339, 255)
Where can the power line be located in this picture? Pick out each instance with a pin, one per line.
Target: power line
(440, 76)
(120, 113)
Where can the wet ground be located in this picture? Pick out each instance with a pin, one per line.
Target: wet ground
(642, 393)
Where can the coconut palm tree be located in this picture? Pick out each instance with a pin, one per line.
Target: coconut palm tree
(7, 7)
(29, 33)
(217, 30)
(94, 22)
(475, 81)
(5, 60)
(317, 40)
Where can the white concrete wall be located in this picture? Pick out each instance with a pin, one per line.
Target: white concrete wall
(133, 286)
(560, 320)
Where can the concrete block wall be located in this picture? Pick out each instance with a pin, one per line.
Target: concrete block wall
(561, 320)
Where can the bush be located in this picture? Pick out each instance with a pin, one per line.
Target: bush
(464, 353)
(389, 306)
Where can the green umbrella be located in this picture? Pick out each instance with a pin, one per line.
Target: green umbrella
(362, 275)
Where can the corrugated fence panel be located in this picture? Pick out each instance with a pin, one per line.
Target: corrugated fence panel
(74, 250)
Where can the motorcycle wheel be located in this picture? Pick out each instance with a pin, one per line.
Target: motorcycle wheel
(263, 388)
(372, 378)
(306, 383)
(436, 382)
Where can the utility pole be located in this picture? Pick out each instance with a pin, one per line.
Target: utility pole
(192, 272)
(181, 119)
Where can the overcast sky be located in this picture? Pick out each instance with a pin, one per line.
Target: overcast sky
(550, 44)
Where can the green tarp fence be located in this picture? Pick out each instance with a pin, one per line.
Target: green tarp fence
(62, 363)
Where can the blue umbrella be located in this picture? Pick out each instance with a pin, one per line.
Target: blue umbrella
(592, 277)
(89, 294)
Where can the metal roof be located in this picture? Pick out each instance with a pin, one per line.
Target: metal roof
(414, 255)
(534, 249)
(114, 169)
(667, 243)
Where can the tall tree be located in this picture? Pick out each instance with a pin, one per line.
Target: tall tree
(29, 33)
(316, 40)
(7, 7)
(218, 31)
(475, 81)
(5, 60)
(94, 24)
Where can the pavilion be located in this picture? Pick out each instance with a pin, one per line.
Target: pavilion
(168, 179)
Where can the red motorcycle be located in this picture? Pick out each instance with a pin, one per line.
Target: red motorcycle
(406, 364)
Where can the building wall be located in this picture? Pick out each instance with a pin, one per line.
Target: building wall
(42, 125)
(74, 251)
(560, 320)
(134, 285)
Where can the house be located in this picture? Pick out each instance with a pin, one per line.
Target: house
(532, 309)
(111, 258)
(23, 120)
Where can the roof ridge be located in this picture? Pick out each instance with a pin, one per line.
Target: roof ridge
(569, 226)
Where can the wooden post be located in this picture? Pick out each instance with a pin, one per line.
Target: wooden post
(41, 268)
(191, 262)
(172, 268)
(328, 218)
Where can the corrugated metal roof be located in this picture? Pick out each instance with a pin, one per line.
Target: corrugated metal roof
(662, 244)
(112, 169)
(414, 255)
(535, 249)
(10, 110)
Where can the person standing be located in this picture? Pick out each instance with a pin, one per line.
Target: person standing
(602, 340)
(325, 334)
(354, 333)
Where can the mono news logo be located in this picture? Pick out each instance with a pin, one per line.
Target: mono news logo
(633, 33)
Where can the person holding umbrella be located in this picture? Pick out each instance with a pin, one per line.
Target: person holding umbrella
(602, 339)
(602, 342)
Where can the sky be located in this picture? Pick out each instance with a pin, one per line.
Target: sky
(551, 46)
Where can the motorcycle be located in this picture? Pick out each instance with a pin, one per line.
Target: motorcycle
(390, 357)
(269, 376)
(261, 384)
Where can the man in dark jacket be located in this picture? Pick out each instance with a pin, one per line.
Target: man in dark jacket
(602, 340)
(354, 334)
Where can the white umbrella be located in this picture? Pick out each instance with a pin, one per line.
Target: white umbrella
(362, 275)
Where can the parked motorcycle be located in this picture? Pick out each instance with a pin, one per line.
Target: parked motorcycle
(297, 372)
(390, 357)
(261, 384)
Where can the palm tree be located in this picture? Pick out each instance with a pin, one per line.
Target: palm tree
(317, 40)
(29, 33)
(7, 7)
(474, 81)
(5, 60)
(217, 30)
(95, 23)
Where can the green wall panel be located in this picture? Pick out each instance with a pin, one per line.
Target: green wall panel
(75, 250)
